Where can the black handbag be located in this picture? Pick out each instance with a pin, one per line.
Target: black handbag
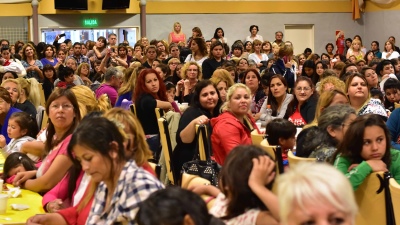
(207, 169)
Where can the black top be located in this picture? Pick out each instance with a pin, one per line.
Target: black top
(184, 152)
(145, 112)
(147, 65)
(308, 109)
(209, 66)
(27, 107)
(48, 88)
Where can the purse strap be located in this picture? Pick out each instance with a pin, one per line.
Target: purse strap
(390, 218)
(202, 132)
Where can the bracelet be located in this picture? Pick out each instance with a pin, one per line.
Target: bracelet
(47, 207)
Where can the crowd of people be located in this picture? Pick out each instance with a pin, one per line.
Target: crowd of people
(91, 161)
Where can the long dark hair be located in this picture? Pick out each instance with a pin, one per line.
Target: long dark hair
(58, 93)
(171, 205)
(310, 64)
(352, 144)
(271, 99)
(14, 160)
(196, 98)
(241, 197)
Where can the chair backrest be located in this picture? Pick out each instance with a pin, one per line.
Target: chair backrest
(294, 160)
(133, 109)
(45, 119)
(202, 150)
(166, 147)
(256, 138)
(276, 153)
(395, 192)
(156, 168)
(159, 113)
(371, 201)
(42, 97)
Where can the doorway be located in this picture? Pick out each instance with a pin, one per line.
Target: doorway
(301, 35)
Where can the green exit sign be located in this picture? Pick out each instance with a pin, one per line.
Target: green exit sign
(90, 23)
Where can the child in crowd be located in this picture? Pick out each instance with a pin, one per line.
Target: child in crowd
(66, 76)
(251, 202)
(16, 162)
(282, 132)
(366, 149)
(392, 93)
(171, 89)
(21, 128)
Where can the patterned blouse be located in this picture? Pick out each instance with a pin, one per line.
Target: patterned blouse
(134, 186)
(373, 106)
(32, 73)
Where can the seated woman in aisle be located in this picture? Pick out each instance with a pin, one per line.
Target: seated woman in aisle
(205, 105)
(234, 125)
(366, 149)
(252, 80)
(150, 93)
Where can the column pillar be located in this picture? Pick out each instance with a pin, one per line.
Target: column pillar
(142, 18)
(35, 23)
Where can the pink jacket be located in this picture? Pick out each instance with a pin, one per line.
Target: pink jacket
(228, 132)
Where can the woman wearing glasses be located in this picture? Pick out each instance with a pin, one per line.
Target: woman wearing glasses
(301, 109)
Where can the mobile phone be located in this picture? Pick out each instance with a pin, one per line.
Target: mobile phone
(62, 35)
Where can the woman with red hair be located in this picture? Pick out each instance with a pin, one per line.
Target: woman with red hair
(150, 93)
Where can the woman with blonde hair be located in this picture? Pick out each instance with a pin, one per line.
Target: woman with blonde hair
(29, 97)
(355, 50)
(176, 35)
(87, 100)
(127, 88)
(330, 83)
(315, 193)
(223, 80)
(258, 54)
(234, 125)
(191, 73)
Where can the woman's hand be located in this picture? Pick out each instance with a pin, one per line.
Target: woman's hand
(46, 219)
(21, 177)
(54, 205)
(288, 65)
(3, 142)
(186, 83)
(377, 165)
(263, 172)
(201, 120)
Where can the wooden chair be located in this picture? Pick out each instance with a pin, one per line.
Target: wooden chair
(395, 192)
(189, 181)
(133, 109)
(276, 153)
(294, 160)
(45, 120)
(256, 138)
(166, 147)
(370, 198)
(202, 151)
(42, 97)
(159, 113)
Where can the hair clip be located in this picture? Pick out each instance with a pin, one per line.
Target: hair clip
(118, 124)
(20, 157)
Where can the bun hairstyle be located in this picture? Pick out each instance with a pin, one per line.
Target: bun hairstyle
(64, 71)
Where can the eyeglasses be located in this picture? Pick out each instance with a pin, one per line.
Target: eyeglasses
(303, 89)
(63, 106)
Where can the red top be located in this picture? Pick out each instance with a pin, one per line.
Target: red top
(297, 119)
(228, 132)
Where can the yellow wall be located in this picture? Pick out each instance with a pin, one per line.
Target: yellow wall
(94, 6)
(21, 9)
(373, 7)
(167, 7)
